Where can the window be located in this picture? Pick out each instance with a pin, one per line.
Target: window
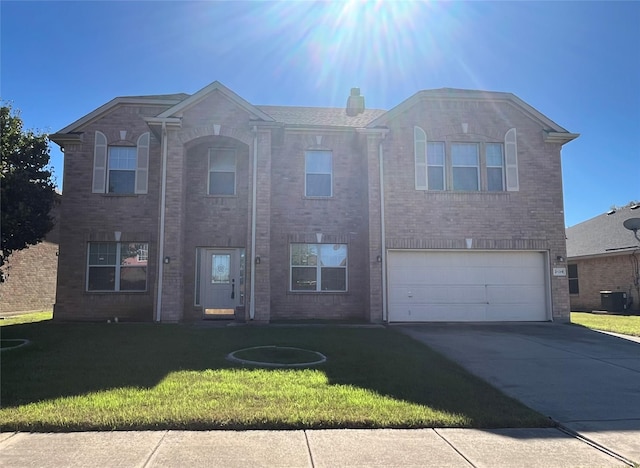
(465, 167)
(222, 171)
(495, 167)
(120, 169)
(318, 267)
(318, 173)
(116, 266)
(573, 279)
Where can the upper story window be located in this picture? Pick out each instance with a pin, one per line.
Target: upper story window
(222, 171)
(318, 173)
(120, 169)
(467, 167)
(117, 266)
(495, 167)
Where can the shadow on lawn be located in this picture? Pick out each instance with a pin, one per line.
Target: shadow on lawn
(74, 359)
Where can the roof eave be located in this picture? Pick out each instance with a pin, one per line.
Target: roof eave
(559, 137)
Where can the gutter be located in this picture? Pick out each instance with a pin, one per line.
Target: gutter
(383, 238)
(254, 196)
(163, 203)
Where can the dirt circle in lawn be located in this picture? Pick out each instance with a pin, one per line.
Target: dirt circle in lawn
(277, 356)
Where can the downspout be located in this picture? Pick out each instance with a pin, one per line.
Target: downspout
(163, 193)
(382, 230)
(254, 196)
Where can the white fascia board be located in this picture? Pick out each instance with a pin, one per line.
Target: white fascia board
(559, 137)
(611, 253)
(110, 105)
(204, 92)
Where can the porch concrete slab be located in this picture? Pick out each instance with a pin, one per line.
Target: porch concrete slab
(382, 447)
(79, 449)
(533, 448)
(232, 449)
(621, 436)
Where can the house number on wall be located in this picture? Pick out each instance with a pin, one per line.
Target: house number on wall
(559, 272)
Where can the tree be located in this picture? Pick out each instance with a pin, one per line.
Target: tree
(27, 192)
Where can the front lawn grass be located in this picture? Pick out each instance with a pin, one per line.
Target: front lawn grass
(150, 376)
(625, 324)
(29, 317)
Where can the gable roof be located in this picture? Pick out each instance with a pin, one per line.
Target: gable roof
(325, 116)
(159, 99)
(603, 235)
(204, 92)
(553, 132)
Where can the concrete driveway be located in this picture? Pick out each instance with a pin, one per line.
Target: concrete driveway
(586, 380)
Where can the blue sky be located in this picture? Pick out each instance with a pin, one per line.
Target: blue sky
(576, 62)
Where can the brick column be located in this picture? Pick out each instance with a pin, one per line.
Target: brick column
(263, 228)
(375, 238)
(173, 280)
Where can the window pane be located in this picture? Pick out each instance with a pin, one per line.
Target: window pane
(220, 269)
(133, 279)
(318, 162)
(222, 183)
(495, 179)
(420, 153)
(102, 279)
(304, 254)
(134, 254)
(222, 160)
(333, 255)
(573, 286)
(318, 185)
(122, 181)
(435, 154)
(464, 154)
(465, 178)
(303, 279)
(494, 155)
(334, 279)
(102, 253)
(122, 157)
(436, 178)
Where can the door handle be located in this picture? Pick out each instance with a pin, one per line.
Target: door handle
(233, 289)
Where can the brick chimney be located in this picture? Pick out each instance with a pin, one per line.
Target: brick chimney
(355, 103)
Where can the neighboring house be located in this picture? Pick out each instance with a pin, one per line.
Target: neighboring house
(30, 274)
(604, 256)
(447, 207)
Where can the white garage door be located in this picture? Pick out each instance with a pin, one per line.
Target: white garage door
(445, 286)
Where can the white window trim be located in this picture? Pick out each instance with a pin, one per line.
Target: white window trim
(511, 161)
(235, 173)
(306, 173)
(476, 166)
(100, 182)
(117, 266)
(318, 267)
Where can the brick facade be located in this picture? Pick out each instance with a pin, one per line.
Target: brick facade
(30, 280)
(611, 273)
(184, 130)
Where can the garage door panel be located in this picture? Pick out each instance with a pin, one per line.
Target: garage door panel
(466, 286)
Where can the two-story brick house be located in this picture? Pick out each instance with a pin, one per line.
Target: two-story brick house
(447, 207)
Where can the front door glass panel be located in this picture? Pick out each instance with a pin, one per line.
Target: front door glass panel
(220, 269)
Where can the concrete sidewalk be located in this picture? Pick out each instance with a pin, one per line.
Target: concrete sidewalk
(516, 448)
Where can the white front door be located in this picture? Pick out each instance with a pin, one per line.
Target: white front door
(220, 282)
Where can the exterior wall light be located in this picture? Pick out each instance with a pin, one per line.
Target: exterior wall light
(167, 260)
(257, 260)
